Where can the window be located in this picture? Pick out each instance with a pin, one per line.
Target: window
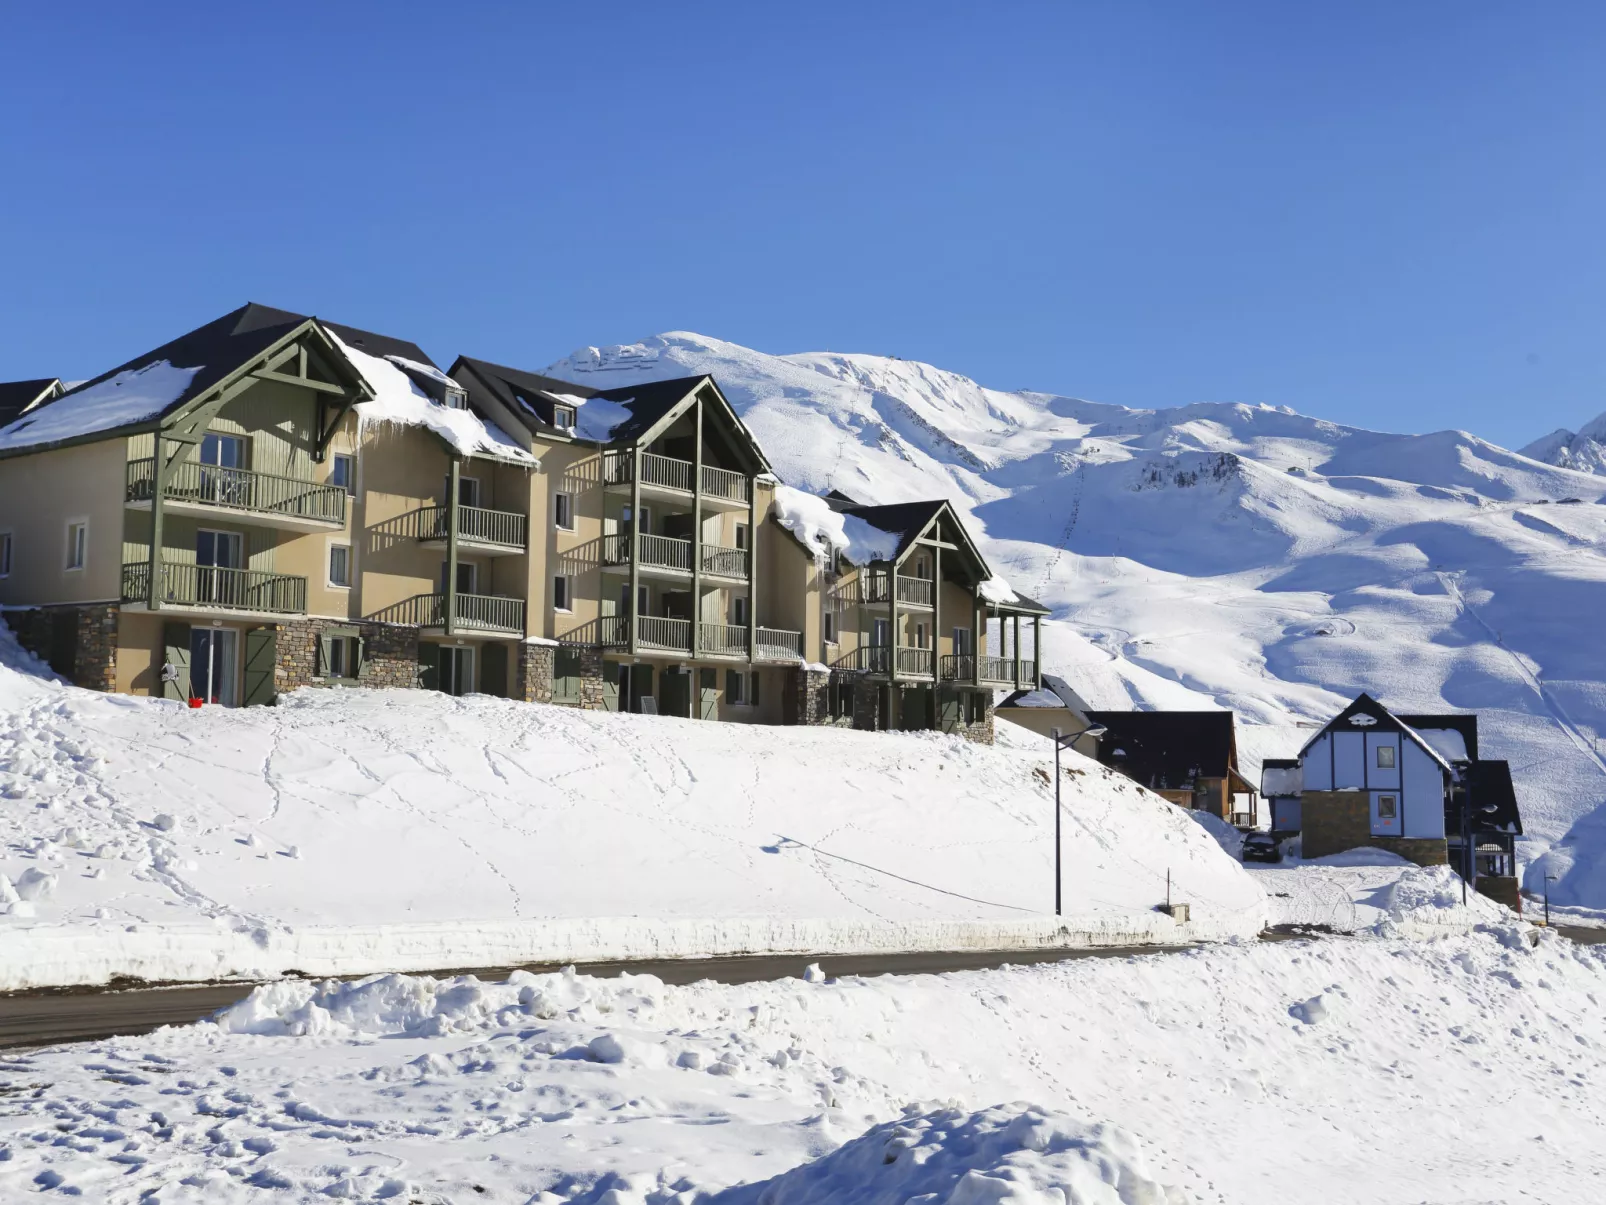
(340, 564)
(468, 490)
(560, 593)
(1385, 757)
(641, 601)
(466, 576)
(1388, 807)
(77, 543)
(456, 399)
(976, 702)
(563, 511)
(5, 554)
(340, 657)
(920, 635)
(739, 612)
(741, 535)
(880, 631)
(343, 472)
(563, 417)
(962, 646)
(830, 627)
(741, 689)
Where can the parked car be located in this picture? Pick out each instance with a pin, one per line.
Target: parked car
(1262, 847)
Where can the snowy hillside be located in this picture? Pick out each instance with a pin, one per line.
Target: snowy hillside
(354, 830)
(1246, 557)
(1584, 449)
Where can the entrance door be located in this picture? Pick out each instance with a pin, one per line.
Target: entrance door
(493, 670)
(456, 674)
(216, 552)
(214, 665)
(676, 693)
(708, 691)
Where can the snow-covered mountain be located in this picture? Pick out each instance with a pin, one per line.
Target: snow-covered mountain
(1241, 556)
(1583, 449)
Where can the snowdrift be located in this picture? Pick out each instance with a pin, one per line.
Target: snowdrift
(1239, 556)
(348, 831)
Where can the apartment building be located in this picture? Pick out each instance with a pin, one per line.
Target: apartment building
(274, 501)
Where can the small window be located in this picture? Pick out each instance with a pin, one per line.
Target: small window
(976, 706)
(340, 564)
(77, 544)
(456, 399)
(741, 535)
(1388, 807)
(920, 635)
(1385, 757)
(339, 656)
(563, 511)
(343, 472)
(735, 687)
(560, 593)
(5, 554)
(563, 417)
(339, 659)
(752, 689)
(739, 612)
(468, 490)
(830, 627)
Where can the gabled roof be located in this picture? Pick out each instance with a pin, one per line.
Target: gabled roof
(528, 396)
(906, 520)
(1375, 717)
(1167, 748)
(17, 396)
(1465, 724)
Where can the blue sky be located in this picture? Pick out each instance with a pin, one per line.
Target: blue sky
(1383, 214)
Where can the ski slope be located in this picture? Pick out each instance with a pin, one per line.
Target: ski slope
(347, 831)
(1238, 556)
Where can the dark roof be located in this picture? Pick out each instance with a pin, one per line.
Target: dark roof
(1027, 606)
(1466, 725)
(1383, 720)
(526, 395)
(16, 395)
(1490, 785)
(906, 520)
(380, 345)
(1168, 748)
(1279, 763)
(647, 402)
(837, 500)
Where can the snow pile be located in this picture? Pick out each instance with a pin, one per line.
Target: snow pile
(997, 591)
(1430, 897)
(1242, 557)
(1016, 1154)
(397, 399)
(131, 396)
(349, 831)
(1219, 1063)
(826, 532)
(1038, 698)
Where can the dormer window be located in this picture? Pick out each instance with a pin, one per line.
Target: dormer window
(563, 417)
(456, 399)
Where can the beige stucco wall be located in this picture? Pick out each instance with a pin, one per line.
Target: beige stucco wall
(40, 494)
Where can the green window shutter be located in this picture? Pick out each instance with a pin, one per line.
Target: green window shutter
(951, 711)
(754, 699)
(610, 686)
(261, 656)
(708, 688)
(176, 652)
(324, 659)
(640, 685)
(359, 655)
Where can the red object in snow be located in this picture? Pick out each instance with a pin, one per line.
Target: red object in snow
(195, 702)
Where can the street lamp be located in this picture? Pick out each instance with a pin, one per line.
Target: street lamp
(1061, 741)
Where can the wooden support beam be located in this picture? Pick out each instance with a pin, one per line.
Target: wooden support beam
(635, 551)
(977, 618)
(752, 567)
(936, 622)
(1015, 646)
(453, 478)
(285, 378)
(892, 626)
(697, 538)
(159, 472)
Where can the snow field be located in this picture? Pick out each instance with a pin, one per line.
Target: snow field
(1365, 1069)
(348, 831)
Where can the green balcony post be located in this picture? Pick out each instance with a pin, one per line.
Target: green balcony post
(752, 568)
(1014, 645)
(1037, 652)
(634, 537)
(153, 591)
(697, 538)
(453, 477)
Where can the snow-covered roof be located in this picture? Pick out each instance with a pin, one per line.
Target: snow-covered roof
(1282, 780)
(398, 400)
(132, 396)
(1447, 742)
(826, 532)
(1037, 698)
(997, 591)
(595, 417)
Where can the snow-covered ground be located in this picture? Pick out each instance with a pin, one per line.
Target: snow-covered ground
(1238, 556)
(1368, 1070)
(348, 831)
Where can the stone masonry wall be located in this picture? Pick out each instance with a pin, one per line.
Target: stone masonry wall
(591, 698)
(534, 683)
(1334, 821)
(808, 697)
(390, 654)
(1424, 851)
(94, 662)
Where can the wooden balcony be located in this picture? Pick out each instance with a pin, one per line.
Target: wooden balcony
(661, 634)
(479, 530)
(666, 476)
(995, 671)
(261, 498)
(478, 614)
(214, 588)
(669, 556)
(876, 659)
(874, 587)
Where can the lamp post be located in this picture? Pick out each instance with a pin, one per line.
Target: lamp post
(1061, 741)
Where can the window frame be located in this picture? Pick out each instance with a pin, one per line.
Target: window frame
(1393, 759)
(559, 409)
(329, 565)
(1393, 807)
(562, 593)
(738, 611)
(8, 545)
(563, 505)
(76, 558)
(348, 460)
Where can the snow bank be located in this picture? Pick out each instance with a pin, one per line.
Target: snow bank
(398, 400)
(129, 397)
(997, 591)
(348, 831)
(1020, 1154)
(826, 532)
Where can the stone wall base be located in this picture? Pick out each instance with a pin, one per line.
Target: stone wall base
(1335, 821)
(78, 642)
(533, 683)
(1503, 889)
(1424, 851)
(390, 653)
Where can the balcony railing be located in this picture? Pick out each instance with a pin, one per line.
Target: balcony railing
(502, 527)
(866, 659)
(916, 662)
(666, 472)
(475, 612)
(958, 667)
(239, 489)
(216, 586)
(658, 632)
(725, 562)
(777, 644)
(916, 591)
(724, 639)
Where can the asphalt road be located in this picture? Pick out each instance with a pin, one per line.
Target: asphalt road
(50, 1016)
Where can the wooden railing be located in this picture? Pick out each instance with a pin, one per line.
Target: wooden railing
(666, 472)
(958, 667)
(866, 659)
(479, 612)
(725, 562)
(239, 489)
(659, 632)
(777, 644)
(1002, 669)
(660, 552)
(916, 662)
(722, 483)
(503, 527)
(215, 586)
(723, 639)
(916, 591)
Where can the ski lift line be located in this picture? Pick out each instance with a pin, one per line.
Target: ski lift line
(1078, 477)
